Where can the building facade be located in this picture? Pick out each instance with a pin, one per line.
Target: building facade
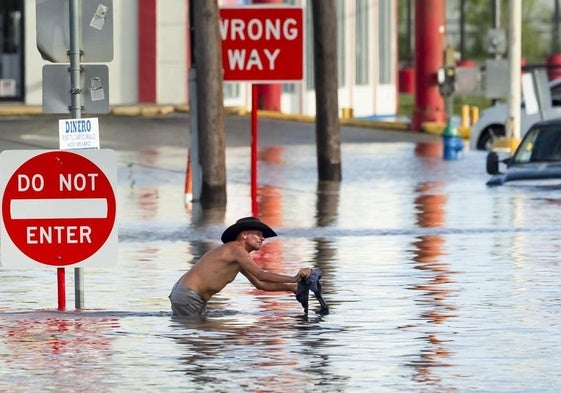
(152, 56)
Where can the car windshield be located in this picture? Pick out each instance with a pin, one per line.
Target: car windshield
(540, 144)
(556, 94)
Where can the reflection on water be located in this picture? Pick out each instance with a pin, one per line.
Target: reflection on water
(434, 290)
(289, 348)
(48, 349)
(435, 283)
(327, 206)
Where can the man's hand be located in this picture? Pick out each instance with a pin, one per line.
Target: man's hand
(303, 273)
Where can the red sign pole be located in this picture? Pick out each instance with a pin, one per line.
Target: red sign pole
(254, 101)
(261, 44)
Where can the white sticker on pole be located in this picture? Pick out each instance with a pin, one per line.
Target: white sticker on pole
(74, 134)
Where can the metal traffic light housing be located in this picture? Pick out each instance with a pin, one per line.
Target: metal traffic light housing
(446, 77)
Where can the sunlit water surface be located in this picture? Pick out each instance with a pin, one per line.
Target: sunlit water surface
(436, 283)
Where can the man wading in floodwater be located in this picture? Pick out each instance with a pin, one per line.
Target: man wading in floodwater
(219, 266)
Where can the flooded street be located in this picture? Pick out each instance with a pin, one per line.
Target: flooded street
(435, 282)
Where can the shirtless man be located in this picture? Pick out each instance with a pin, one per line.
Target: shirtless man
(219, 266)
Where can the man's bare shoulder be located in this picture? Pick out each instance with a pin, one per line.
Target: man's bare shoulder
(234, 251)
(230, 252)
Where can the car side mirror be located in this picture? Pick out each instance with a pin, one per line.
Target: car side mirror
(492, 163)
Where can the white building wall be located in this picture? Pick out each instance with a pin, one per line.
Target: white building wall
(33, 65)
(385, 95)
(123, 70)
(171, 63)
(374, 98)
(171, 66)
(346, 86)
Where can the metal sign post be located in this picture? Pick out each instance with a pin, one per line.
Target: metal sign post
(261, 44)
(87, 34)
(74, 55)
(75, 113)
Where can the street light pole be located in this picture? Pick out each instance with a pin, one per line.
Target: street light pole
(514, 56)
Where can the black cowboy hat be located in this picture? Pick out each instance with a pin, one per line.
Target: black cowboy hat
(246, 224)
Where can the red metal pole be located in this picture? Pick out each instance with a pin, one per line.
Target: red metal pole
(430, 24)
(269, 93)
(254, 100)
(147, 52)
(60, 275)
(270, 97)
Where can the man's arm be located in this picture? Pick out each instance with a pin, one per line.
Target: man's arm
(247, 266)
(270, 286)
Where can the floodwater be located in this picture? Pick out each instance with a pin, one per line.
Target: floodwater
(436, 283)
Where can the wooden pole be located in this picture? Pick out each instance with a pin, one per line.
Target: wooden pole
(210, 108)
(328, 130)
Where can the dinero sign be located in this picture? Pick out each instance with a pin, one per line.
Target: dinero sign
(262, 43)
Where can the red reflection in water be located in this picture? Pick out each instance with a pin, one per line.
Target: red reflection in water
(73, 351)
(429, 149)
(435, 292)
(270, 256)
(147, 200)
(272, 155)
(147, 196)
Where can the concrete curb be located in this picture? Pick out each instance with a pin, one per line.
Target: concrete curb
(437, 129)
(159, 110)
(387, 125)
(21, 110)
(142, 110)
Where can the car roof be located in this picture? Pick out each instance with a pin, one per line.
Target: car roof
(548, 123)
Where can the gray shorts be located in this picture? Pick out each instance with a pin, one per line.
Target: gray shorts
(186, 302)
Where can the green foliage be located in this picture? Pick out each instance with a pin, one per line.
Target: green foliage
(536, 40)
(478, 17)
(407, 103)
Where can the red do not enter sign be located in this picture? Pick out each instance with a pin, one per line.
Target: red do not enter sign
(58, 207)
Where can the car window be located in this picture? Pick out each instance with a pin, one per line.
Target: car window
(524, 152)
(540, 144)
(556, 95)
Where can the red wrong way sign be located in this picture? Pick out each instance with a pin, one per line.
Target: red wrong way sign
(261, 43)
(58, 208)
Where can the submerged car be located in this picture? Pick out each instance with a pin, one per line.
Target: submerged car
(491, 123)
(538, 156)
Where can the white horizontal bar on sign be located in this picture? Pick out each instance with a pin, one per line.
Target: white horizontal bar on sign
(27, 209)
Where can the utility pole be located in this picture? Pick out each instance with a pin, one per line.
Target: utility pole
(514, 56)
(462, 29)
(555, 29)
(328, 129)
(210, 107)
